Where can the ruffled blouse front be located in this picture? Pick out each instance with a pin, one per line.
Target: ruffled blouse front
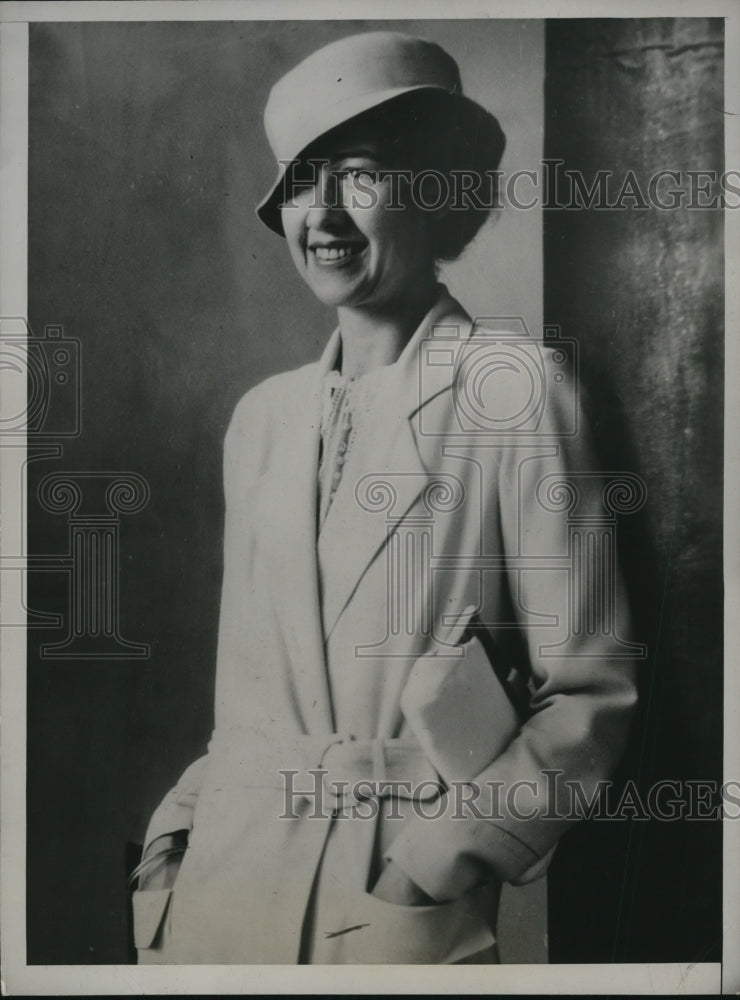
(346, 406)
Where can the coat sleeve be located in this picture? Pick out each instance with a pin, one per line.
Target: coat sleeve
(175, 811)
(583, 689)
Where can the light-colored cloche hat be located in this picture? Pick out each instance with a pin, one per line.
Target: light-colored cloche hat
(346, 78)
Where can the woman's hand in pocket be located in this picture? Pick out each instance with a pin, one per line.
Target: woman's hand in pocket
(394, 886)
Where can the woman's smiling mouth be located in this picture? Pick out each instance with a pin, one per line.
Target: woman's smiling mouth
(335, 252)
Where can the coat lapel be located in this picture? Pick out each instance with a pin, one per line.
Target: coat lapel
(365, 510)
(388, 473)
(287, 516)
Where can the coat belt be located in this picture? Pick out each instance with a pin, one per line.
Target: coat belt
(379, 768)
(348, 768)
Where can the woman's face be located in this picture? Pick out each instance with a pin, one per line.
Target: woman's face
(350, 246)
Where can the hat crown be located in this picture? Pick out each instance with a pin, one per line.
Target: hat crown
(347, 78)
(344, 77)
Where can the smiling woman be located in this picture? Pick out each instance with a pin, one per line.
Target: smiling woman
(346, 243)
(371, 207)
(380, 671)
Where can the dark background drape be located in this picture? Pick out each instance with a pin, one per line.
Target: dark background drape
(642, 291)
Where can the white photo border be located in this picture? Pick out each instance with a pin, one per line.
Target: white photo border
(18, 978)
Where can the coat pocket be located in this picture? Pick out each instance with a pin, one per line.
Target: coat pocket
(384, 932)
(150, 909)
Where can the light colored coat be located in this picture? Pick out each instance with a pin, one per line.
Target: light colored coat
(314, 647)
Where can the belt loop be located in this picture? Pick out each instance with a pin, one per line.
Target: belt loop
(328, 742)
(379, 761)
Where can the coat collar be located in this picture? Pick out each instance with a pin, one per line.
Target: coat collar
(412, 377)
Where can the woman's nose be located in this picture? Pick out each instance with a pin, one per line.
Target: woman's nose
(327, 197)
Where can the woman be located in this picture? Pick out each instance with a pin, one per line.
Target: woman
(389, 553)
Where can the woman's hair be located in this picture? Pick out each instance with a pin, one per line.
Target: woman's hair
(454, 162)
(451, 150)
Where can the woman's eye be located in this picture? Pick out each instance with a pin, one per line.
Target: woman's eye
(362, 174)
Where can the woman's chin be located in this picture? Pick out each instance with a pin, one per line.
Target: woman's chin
(338, 293)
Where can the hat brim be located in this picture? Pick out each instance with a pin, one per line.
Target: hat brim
(468, 115)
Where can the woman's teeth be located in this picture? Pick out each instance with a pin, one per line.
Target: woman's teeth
(334, 253)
